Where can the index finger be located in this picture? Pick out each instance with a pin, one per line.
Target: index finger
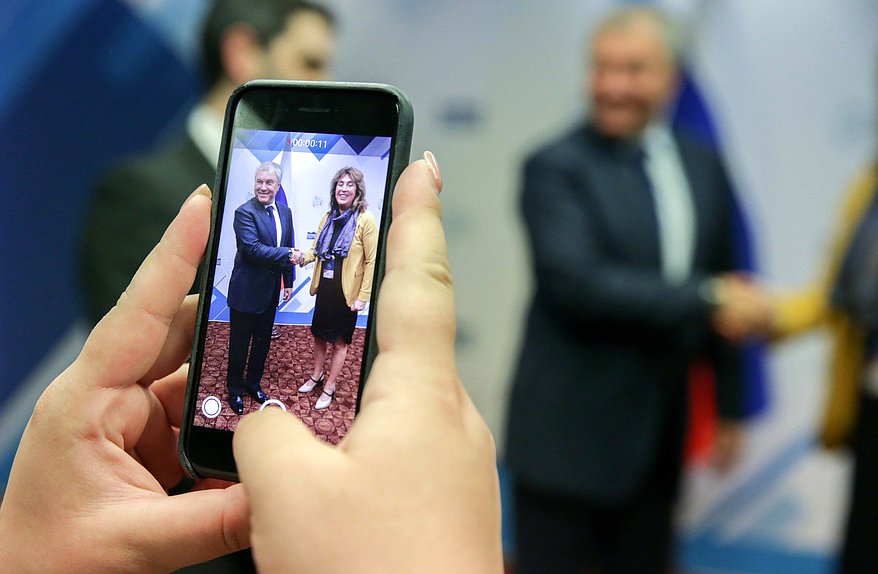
(416, 322)
(128, 340)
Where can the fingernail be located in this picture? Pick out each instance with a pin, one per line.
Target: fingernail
(201, 190)
(434, 167)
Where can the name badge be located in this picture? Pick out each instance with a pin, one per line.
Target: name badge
(328, 273)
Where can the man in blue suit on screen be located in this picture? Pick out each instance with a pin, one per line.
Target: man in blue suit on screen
(264, 236)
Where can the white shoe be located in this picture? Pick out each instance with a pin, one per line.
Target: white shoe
(309, 386)
(321, 403)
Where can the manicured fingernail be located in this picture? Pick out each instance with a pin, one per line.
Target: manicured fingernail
(434, 167)
(201, 190)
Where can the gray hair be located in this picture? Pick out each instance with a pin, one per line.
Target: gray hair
(670, 31)
(266, 165)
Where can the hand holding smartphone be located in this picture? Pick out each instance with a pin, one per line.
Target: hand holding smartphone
(294, 260)
(420, 451)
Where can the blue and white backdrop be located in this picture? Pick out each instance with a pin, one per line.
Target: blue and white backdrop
(308, 163)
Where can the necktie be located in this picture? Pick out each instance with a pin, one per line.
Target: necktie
(273, 223)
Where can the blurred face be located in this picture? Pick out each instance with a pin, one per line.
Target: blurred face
(266, 186)
(302, 51)
(632, 79)
(345, 192)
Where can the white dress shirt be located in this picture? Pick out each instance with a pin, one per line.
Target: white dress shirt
(205, 128)
(673, 202)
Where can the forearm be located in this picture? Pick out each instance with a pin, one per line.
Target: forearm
(798, 312)
(262, 254)
(623, 297)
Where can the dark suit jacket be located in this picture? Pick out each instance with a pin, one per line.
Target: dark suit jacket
(131, 208)
(609, 340)
(255, 282)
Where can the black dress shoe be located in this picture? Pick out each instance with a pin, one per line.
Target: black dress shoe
(258, 396)
(237, 404)
(275, 333)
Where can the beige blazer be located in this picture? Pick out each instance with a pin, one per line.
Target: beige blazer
(809, 308)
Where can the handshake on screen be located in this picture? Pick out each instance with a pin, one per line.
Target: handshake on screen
(297, 257)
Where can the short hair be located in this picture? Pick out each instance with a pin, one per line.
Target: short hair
(669, 30)
(360, 202)
(266, 165)
(268, 18)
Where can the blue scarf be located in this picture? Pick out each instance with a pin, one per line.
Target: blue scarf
(348, 219)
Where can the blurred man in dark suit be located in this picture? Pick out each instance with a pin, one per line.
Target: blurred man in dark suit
(241, 40)
(630, 228)
(264, 236)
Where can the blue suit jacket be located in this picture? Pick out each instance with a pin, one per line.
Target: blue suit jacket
(255, 283)
(609, 341)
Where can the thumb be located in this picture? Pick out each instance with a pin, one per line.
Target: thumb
(276, 454)
(280, 463)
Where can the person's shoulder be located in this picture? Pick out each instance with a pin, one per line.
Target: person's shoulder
(367, 218)
(571, 137)
(166, 174)
(161, 162)
(694, 144)
(366, 222)
(130, 175)
(562, 148)
(247, 207)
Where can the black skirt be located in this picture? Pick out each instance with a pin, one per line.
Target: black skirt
(333, 318)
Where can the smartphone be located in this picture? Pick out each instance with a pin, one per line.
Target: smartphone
(293, 267)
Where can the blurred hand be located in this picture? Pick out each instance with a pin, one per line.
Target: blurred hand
(413, 486)
(296, 257)
(728, 446)
(288, 293)
(87, 491)
(744, 311)
(358, 305)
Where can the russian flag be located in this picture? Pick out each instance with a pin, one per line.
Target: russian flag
(691, 115)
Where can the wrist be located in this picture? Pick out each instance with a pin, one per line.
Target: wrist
(713, 292)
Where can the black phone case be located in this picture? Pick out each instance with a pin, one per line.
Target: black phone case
(401, 151)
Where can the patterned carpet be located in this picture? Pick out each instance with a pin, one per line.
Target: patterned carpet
(288, 366)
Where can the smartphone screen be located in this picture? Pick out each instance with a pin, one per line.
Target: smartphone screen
(293, 264)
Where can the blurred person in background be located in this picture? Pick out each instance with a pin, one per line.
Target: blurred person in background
(241, 40)
(630, 226)
(844, 299)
